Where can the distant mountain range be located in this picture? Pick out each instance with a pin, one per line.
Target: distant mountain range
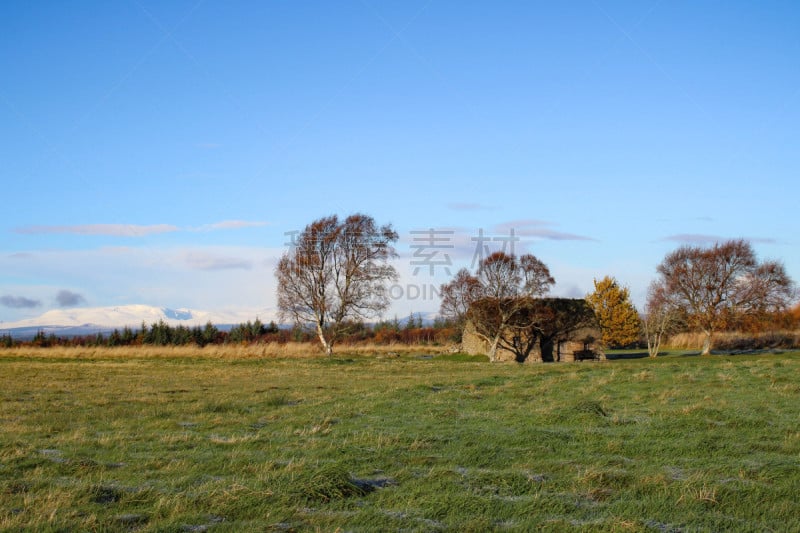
(89, 320)
(93, 320)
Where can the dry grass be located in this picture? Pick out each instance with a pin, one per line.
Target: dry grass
(737, 341)
(272, 350)
(686, 341)
(359, 443)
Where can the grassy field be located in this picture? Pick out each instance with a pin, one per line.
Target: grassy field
(116, 442)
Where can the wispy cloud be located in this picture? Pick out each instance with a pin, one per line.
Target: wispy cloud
(207, 261)
(459, 243)
(699, 238)
(231, 224)
(468, 206)
(442, 234)
(133, 230)
(537, 228)
(18, 302)
(66, 298)
(113, 230)
(694, 238)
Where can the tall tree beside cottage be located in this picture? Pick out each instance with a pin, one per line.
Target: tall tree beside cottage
(497, 298)
(458, 294)
(337, 272)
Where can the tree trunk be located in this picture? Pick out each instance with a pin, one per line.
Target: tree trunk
(327, 346)
(652, 346)
(706, 343)
(493, 349)
(653, 342)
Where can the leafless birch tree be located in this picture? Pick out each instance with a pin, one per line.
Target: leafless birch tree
(336, 273)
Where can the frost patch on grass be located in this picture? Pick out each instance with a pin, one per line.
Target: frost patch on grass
(53, 455)
(536, 478)
(233, 439)
(675, 474)
(212, 521)
(332, 482)
(131, 519)
(428, 523)
(105, 494)
(376, 483)
(282, 526)
(664, 528)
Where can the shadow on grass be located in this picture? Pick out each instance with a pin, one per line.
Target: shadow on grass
(462, 357)
(612, 356)
(642, 354)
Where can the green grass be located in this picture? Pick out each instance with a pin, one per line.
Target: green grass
(418, 444)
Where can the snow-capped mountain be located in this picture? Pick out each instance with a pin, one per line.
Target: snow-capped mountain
(93, 319)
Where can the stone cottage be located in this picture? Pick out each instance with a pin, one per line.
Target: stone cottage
(573, 336)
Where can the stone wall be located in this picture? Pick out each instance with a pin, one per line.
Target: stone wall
(581, 343)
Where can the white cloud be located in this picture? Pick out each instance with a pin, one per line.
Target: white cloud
(199, 277)
(208, 261)
(133, 230)
(695, 238)
(698, 238)
(538, 228)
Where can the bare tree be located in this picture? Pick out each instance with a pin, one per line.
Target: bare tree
(713, 285)
(458, 295)
(558, 318)
(659, 319)
(504, 323)
(508, 284)
(336, 274)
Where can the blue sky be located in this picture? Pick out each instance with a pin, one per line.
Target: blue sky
(158, 152)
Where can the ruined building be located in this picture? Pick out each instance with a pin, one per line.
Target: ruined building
(551, 330)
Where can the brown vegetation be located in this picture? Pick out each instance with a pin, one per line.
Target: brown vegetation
(737, 341)
(271, 350)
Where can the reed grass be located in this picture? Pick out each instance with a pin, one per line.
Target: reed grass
(299, 350)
